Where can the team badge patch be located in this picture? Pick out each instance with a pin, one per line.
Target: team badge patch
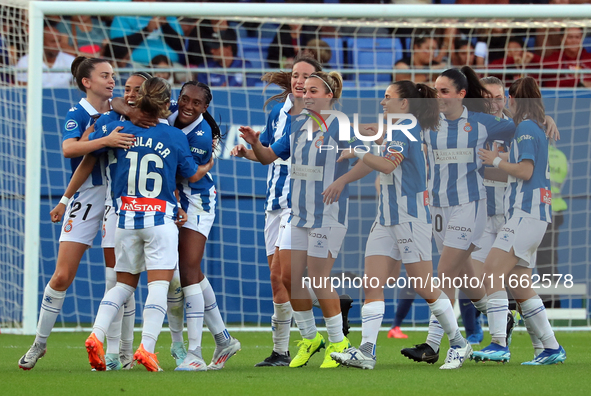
(467, 127)
(68, 226)
(319, 142)
(71, 125)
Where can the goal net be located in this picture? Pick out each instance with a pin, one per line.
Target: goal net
(229, 47)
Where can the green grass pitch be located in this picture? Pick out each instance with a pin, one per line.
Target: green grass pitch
(65, 371)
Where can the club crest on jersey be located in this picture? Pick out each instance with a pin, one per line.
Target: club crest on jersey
(68, 226)
(319, 142)
(143, 204)
(71, 125)
(467, 127)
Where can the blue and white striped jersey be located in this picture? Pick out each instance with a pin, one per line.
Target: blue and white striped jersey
(533, 198)
(495, 190)
(313, 169)
(100, 130)
(278, 194)
(456, 170)
(202, 193)
(145, 176)
(78, 119)
(403, 193)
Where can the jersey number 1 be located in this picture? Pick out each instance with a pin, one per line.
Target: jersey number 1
(141, 175)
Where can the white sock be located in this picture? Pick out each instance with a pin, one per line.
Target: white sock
(128, 325)
(194, 305)
(497, 307)
(154, 312)
(371, 319)
(306, 323)
(334, 327)
(174, 311)
(114, 331)
(109, 308)
(435, 333)
(51, 305)
(213, 318)
(315, 301)
(535, 341)
(280, 325)
(534, 312)
(444, 312)
(481, 304)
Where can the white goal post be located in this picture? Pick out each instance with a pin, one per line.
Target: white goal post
(39, 9)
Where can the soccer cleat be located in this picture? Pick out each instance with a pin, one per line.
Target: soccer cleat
(456, 357)
(96, 353)
(421, 353)
(494, 353)
(346, 304)
(512, 321)
(149, 360)
(223, 353)
(36, 352)
(127, 361)
(276, 359)
(337, 347)
(307, 349)
(547, 357)
(477, 337)
(353, 357)
(395, 332)
(113, 362)
(192, 362)
(178, 352)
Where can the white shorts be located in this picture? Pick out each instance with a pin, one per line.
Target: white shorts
(285, 238)
(524, 235)
(275, 222)
(459, 226)
(83, 216)
(409, 242)
(318, 241)
(201, 223)
(493, 225)
(109, 227)
(153, 248)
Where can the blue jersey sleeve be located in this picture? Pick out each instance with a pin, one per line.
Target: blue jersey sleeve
(526, 141)
(102, 131)
(75, 125)
(186, 164)
(266, 136)
(497, 128)
(282, 147)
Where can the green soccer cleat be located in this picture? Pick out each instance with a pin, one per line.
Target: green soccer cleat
(338, 347)
(307, 349)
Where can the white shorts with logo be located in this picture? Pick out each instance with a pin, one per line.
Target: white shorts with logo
(201, 223)
(409, 242)
(153, 248)
(83, 216)
(318, 241)
(493, 225)
(524, 235)
(459, 226)
(284, 240)
(109, 227)
(275, 222)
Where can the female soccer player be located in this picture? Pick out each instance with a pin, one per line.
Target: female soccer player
(198, 199)
(528, 212)
(402, 230)
(278, 202)
(146, 236)
(319, 217)
(119, 355)
(458, 205)
(95, 78)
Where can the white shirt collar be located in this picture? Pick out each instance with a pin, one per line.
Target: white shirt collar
(463, 115)
(189, 127)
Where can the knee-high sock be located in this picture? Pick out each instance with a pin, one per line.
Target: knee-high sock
(212, 316)
(114, 331)
(435, 333)
(371, 319)
(444, 312)
(534, 312)
(280, 324)
(51, 305)
(306, 323)
(154, 312)
(110, 306)
(468, 311)
(497, 307)
(128, 326)
(334, 328)
(174, 309)
(194, 305)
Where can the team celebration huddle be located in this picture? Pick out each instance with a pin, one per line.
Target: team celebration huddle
(462, 163)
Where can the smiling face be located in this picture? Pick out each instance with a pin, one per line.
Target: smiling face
(315, 96)
(101, 81)
(449, 98)
(132, 87)
(299, 74)
(498, 99)
(392, 103)
(192, 104)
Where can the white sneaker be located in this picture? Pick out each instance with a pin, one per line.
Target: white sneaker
(456, 357)
(178, 352)
(127, 361)
(353, 357)
(192, 363)
(36, 352)
(223, 353)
